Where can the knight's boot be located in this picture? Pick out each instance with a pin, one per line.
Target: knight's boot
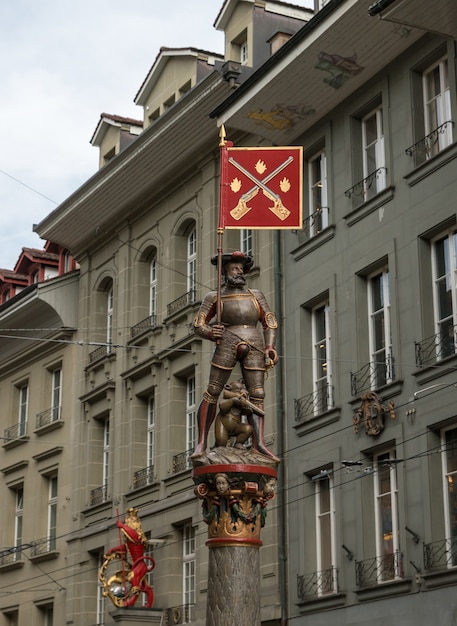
(205, 417)
(258, 442)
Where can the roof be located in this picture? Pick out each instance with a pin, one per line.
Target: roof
(108, 119)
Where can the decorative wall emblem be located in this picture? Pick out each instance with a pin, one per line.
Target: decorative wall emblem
(371, 413)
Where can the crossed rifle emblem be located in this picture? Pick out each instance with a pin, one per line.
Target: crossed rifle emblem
(242, 207)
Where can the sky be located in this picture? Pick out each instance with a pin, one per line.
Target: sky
(62, 64)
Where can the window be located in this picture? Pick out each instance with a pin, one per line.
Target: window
(318, 210)
(153, 288)
(246, 241)
(321, 359)
(325, 533)
(191, 426)
(56, 394)
(374, 172)
(386, 516)
(151, 432)
(192, 262)
(18, 522)
(380, 338)
(52, 512)
(244, 52)
(47, 615)
(23, 409)
(188, 558)
(100, 609)
(444, 268)
(105, 452)
(437, 106)
(109, 320)
(449, 464)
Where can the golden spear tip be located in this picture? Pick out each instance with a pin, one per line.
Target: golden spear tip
(222, 136)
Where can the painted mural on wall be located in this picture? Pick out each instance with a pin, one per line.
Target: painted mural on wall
(340, 68)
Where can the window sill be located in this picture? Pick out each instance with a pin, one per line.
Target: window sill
(428, 167)
(322, 603)
(12, 443)
(384, 590)
(314, 242)
(45, 556)
(49, 427)
(441, 578)
(11, 566)
(370, 206)
(317, 421)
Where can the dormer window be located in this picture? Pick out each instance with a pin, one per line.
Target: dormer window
(240, 47)
(168, 103)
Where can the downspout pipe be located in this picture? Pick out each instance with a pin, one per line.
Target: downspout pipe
(280, 430)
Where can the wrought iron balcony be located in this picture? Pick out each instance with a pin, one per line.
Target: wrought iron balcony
(316, 222)
(11, 555)
(317, 584)
(379, 569)
(43, 546)
(143, 477)
(436, 348)
(440, 555)
(363, 189)
(54, 414)
(98, 495)
(371, 376)
(146, 324)
(182, 462)
(100, 352)
(15, 432)
(315, 403)
(181, 302)
(433, 143)
(177, 615)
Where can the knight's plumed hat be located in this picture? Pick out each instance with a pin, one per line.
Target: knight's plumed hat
(235, 257)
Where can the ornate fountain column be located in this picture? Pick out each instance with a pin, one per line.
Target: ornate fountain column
(235, 488)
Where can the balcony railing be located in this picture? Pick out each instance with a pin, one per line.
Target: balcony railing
(316, 222)
(43, 546)
(372, 376)
(146, 324)
(11, 555)
(317, 584)
(182, 461)
(177, 615)
(436, 348)
(181, 302)
(315, 403)
(440, 555)
(15, 432)
(379, 569)
(433, 143)
(54, 414)
(143, 477)
(100, 352)
(364, 188)
(98, 495)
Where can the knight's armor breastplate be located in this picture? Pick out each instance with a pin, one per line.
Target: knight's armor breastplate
(240, 310)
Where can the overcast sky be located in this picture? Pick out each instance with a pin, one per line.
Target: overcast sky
(62, 64)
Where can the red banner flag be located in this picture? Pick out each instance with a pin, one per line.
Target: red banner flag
(261, 187)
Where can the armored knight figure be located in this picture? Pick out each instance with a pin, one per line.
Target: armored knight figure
(238, 339)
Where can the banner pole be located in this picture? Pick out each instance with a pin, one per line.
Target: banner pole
(220, 228)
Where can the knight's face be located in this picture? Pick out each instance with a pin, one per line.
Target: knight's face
(234, 274)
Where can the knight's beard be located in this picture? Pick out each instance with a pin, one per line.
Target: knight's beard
(236, 280)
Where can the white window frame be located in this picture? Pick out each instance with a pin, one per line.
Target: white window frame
(191, 413)
(100, 609)
(153, 288)
(192, 262)
(189, 566)
(18, 519)
(449, 472)
(23, 409)
(373, 153)
(246, 241)
(322, 374)
(106, 452)
(52, 512)
(437, 106)
(445, 321)
(109, 319)
(325, 534)
(56, 394)
(318, 193)
(151, 432)
(387, 543)
(380, 321)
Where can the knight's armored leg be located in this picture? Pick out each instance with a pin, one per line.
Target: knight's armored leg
(205, 417)
(257, 423)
